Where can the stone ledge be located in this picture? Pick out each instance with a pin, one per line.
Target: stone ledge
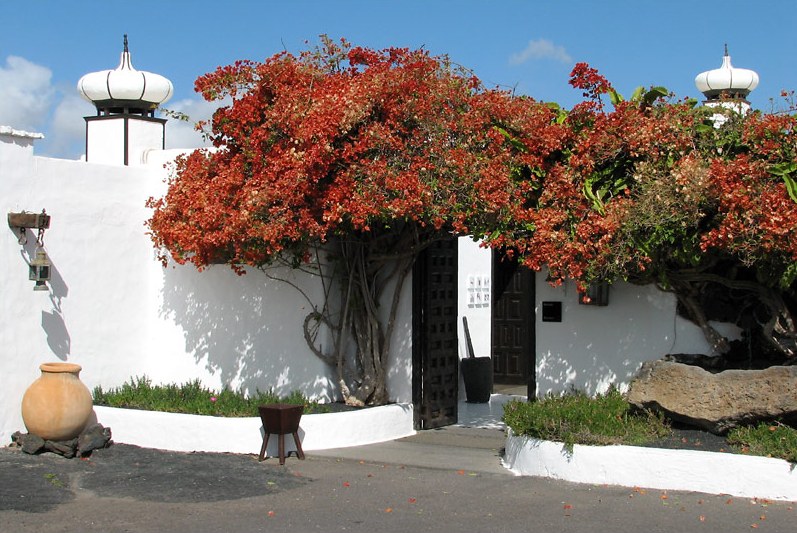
(187, 433)
(654, 468)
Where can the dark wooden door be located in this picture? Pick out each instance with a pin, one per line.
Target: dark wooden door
(435, 358)
(513, 323)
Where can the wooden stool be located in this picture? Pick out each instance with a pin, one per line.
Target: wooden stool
(280, 419)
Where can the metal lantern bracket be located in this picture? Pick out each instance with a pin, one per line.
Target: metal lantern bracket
(19, 222)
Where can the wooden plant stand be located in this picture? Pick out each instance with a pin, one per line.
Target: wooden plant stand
(280, 419)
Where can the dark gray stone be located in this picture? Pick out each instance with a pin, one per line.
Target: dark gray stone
(30, 443)
(67, 448)
(93, 437)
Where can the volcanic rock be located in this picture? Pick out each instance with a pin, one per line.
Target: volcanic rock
(716, 402)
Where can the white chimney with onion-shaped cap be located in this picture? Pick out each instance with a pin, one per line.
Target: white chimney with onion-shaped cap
(125, 125)
(727, 87)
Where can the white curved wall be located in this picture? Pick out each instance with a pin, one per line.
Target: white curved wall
(188, 433)
(655, 468)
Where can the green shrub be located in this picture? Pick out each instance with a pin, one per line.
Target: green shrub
(191, 397)
(575, 418)
(767, 439)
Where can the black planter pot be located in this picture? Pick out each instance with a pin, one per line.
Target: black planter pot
(477, 373)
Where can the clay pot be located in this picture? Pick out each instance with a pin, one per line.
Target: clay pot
(57, 406)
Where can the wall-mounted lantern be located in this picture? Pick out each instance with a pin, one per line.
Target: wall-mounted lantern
(40, 270)
(597, 294)
(40, 265)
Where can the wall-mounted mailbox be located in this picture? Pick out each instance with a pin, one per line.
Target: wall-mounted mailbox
(551, 311)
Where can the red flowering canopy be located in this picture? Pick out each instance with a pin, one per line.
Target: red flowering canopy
(343, 140)
(376, 153)
(658, 191)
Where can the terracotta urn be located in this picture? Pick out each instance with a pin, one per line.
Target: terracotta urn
(57, 406)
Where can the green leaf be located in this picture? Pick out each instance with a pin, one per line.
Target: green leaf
(512, 139)
(789, 276)
(638, 92)
(597, 201)
(654, 94)
(785, 170)
(791, 187)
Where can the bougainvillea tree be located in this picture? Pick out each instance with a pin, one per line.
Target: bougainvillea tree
(366, 157)
(361, 156)
(655, 190)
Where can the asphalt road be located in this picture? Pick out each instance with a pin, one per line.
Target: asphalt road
(431, 482)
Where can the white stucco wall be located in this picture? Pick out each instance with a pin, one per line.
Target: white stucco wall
(117, 312)
(474, 282)
(106, 139)
(592, 347)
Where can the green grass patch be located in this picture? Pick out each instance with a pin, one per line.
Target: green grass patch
(192, 398)
(576, 418)
(54, 481)
(766, 439)
(606, 419)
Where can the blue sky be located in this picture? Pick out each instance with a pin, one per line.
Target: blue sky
(531, 46)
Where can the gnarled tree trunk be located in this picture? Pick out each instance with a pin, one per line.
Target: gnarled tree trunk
(774, 318)
(370, 274)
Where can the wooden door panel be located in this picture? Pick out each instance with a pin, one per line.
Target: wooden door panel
(435, 354)
(512, 322)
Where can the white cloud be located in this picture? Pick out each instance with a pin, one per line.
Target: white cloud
(27, 94)
(182, 134)
(67, 135)
(541, 49)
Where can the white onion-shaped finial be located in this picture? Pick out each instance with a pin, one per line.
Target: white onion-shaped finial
(727, 80)
(125, 87)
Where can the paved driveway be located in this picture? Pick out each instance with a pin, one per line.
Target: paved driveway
(437, 481)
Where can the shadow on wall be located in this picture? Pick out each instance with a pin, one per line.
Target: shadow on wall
(246, 330)
(596, 347)
(588, 373)
(399, 372)
(53, 323)
(57, 335)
